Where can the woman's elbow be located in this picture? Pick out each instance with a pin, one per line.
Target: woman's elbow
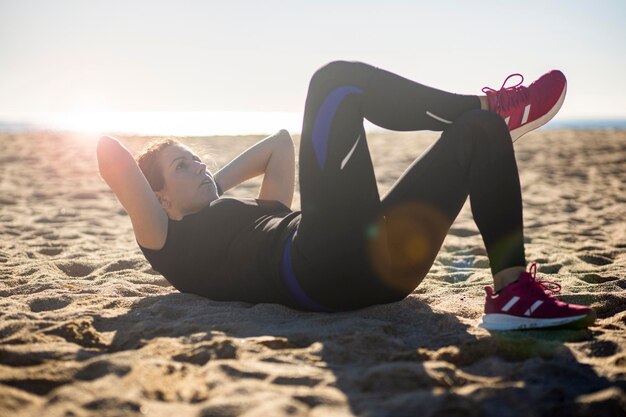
(110, 154)
(107, 145)
(284, 139)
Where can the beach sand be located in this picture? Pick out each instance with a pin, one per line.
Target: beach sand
(87, 328)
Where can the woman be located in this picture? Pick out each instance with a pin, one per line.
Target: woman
(347, 248)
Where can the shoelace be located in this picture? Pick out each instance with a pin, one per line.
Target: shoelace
(508, 96)
(542, 284)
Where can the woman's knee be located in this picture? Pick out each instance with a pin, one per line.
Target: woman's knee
(489, 122)
(478, 132)
(333, 74)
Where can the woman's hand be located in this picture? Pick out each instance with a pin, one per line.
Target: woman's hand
(273, 157)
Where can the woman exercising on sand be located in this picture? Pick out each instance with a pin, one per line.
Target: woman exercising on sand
(348, 248)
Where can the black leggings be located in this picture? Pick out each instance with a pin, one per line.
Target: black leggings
(353, 249)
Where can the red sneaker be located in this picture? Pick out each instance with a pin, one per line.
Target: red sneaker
(527, 108)
(525, 304)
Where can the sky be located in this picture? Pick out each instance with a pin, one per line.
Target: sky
(258, 56)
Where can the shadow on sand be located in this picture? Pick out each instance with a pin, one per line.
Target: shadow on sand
(400, 359)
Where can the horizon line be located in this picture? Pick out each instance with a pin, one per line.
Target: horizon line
(208, 123)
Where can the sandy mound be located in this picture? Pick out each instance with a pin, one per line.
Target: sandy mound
(87, 328)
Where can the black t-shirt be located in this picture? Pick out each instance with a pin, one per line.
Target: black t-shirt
(228, 251)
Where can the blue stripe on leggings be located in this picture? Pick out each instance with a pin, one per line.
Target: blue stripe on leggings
(324, 119)
(289, 278)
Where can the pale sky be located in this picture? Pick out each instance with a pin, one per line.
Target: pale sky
(232, 55)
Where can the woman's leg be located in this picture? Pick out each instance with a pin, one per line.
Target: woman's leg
(327, 264)
(474, 157)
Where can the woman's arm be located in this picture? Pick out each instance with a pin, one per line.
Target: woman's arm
(120, 171)
(274, 157)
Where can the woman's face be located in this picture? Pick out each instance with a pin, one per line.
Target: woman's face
(189, 186)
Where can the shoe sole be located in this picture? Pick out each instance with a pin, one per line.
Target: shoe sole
(535, 124)
(502, 322)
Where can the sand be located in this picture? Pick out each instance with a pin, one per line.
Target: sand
(87, 328)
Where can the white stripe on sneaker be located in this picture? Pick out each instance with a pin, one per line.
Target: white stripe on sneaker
(526, 113)
(511, 303)
(441, 119)
(533, 307)
(523, 129)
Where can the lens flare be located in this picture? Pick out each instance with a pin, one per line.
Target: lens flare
(404, 243)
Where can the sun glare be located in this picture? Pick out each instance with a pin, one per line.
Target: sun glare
(171, 123)
(164, 123)
(85, 121)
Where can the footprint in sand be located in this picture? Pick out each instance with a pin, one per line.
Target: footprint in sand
(550, 269)
(113, 405)
(123, 264)
(48, 304)
(223, 409)
(601, 348)
(75, 269)
(277, 343)
(4, 201)
(204, 352)
(235, 373)
(462, 232)
(596, 259)
(47, 220)
(79, 331)
(305, 381)
(101, 368)
(597, 279)
(43, 383)
(396, 377)
(50, 251)
(313, 400)
(46, 234)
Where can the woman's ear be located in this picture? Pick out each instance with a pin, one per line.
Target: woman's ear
(163, 200)
(166, 204)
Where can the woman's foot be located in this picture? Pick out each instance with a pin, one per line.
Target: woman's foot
(527, 108)
(526, 304)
